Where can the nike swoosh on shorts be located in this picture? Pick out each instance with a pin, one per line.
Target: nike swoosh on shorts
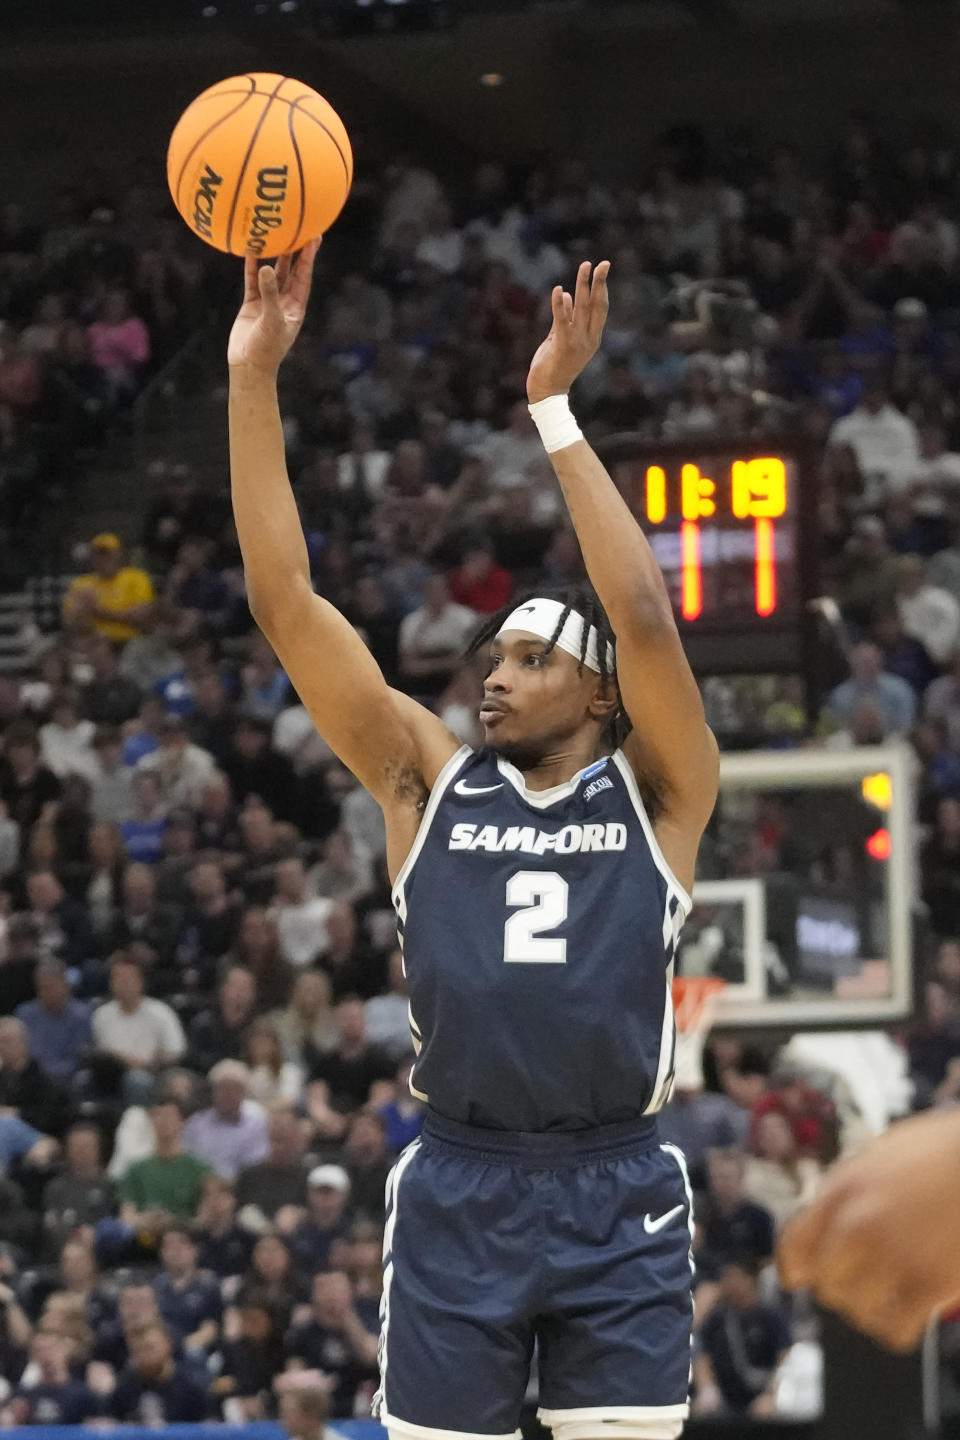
(653, 1227)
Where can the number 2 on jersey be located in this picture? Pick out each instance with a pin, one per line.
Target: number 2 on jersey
(543, 895)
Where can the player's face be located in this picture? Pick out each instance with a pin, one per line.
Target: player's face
(534, 702)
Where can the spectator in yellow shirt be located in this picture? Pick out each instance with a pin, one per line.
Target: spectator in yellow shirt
(116, 600)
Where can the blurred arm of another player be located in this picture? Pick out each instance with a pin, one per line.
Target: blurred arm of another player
(394, 746)
(880, 1244)
(671, 750)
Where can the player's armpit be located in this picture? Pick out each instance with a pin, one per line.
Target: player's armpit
(433, 741)
(386, 739)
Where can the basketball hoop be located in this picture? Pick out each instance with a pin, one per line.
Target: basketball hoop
(695, 1000)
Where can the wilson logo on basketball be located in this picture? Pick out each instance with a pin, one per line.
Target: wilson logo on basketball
(268, 214)
(204, 201)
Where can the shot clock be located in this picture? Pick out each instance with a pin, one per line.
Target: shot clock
(728, 525)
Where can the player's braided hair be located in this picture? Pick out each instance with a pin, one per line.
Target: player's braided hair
(584, 600)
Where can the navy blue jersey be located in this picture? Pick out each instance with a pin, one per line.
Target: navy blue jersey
(538, 931)
(185, 1308)
(68, 1404)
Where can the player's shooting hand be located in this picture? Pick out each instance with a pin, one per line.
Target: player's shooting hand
(274, 305)
(880, 1244)
(575, 334)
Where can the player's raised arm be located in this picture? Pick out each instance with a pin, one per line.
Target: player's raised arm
(671, 747)
(384, 737)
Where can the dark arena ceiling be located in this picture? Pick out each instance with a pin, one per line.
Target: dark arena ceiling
(338, 18)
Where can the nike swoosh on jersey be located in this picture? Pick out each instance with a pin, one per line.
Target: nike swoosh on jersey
(653, 1227)
(462, 788)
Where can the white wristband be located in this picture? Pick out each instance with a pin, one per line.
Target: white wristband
(555, 421)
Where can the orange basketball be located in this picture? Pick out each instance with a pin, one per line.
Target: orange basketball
(259, 165)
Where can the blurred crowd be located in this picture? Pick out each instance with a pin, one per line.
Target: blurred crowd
(96, 296)
(204, 1060)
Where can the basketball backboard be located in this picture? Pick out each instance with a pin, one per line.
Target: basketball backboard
(804, 889)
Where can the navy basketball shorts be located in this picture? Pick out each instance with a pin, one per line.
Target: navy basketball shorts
(574, 1245)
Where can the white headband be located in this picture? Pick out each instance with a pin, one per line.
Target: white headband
(541, 617)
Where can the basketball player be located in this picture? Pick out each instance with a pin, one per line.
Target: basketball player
(880, 1244)
(540, 884)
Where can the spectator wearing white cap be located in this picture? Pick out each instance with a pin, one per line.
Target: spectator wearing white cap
(328, 1196)
(232, 1132)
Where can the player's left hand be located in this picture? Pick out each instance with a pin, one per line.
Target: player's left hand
(575, 335)
(274, 307)
(880, 1243)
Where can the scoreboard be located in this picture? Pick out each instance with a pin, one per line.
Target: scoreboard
(731, 527)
